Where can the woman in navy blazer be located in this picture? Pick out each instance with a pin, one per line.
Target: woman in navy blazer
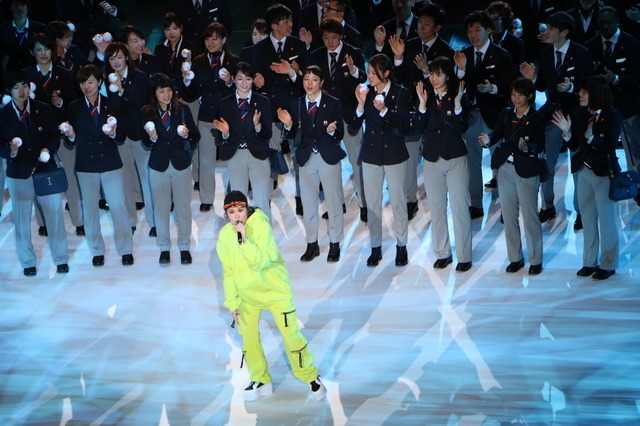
(67, 55)
(592, 131)
(318, 118)
(442, 119)
(172, 135)
(213, 70)
(33, 123)
(130, 90)
(385, 108)
(98, 163)
(244, 126)
(519, 131)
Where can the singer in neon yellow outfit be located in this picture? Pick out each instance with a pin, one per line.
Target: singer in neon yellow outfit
(255, 279)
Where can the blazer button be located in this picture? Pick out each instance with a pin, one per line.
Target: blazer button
(439, 131)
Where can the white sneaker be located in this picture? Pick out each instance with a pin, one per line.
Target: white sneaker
(257, 390)
(318, 389)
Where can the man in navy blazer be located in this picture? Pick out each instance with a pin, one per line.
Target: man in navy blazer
(196, 16)
(562, 66)
(404, 25)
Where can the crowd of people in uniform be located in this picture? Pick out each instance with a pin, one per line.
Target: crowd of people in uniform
(137, 131)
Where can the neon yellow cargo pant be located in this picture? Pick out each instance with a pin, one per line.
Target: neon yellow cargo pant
(300, 357)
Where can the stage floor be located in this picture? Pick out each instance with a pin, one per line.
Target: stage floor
(149, 344)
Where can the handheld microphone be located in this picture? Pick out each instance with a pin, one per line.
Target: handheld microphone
(239, 234)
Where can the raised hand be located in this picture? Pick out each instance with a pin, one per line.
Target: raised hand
(422, 95)
(528, 70)
(221, 125)
(256, 118)
(380, 35)
(420, 61)
(397, 45)
(562, 122)
(285, 117)
(460, 59)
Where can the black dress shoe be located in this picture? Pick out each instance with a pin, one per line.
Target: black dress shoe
(363, 214)
(185, 257)
(586, 271)
(402, 258)
(325, 215)
(152, 232)
(204, 207)
(299, 209)
(42, 231)
(29, 272)
(547, 214)
(98, 260)
(475, 212)
(133, 230)
(334, 252)
(127, 259)
(603, 274)
(139, 205)
(535, 269)
(165, 257)
(577, 225)
(103, 205)
(492, 184)
(412, 209)
(515, 266)
(443, 263)
(312, 251)
(80, 231)
(62, 269)
(375, 257)
(196, 186)
(463, 266)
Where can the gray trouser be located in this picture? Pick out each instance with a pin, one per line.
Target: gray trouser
(195, 164)
(411, 178)
(2, 175)
(136, 179)
(68, 159)
(474, 156)
(373, 179)
(172, 185)
(275, 142)
(449, 179)
(352, 146)
(207, 159)
(244, 168)
(112, 186)
(22, 196)
(314, 172)
(599, 220)
(520, 194)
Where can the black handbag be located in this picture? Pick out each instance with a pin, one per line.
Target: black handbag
(278, 162)
(623, 185)
(47, 182)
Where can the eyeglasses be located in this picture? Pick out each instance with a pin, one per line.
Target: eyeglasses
(327, 7)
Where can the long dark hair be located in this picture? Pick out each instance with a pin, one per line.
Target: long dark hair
(159, 81)
(112, 50)
(381, 63)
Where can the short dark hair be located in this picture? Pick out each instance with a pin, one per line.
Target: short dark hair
(277, 13)
(600, 96)
(260, 25)
(445, 66)
(479, 17)
(244, 68)
(503, 10)
(562, 21)
(609, 9)
(171, 18)
(218, 29)
(330, 25)
(57, 30)
(525, 87)
(313, 69)
(433, 11)
(85, 73)
(127, 30)
(42, 39)
(14, 77)
(159, 81)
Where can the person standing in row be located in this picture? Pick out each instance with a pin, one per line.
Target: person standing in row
(592, 131)
(213, 71)
(255, 279)
(244, 122)
(384, 106)
(171, 134)
(130, 90)
(442, 118)
(520, 134)
(98, 163)
(29, 141)
(318, 119)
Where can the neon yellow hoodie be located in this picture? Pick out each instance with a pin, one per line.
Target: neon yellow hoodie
(254, 271)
